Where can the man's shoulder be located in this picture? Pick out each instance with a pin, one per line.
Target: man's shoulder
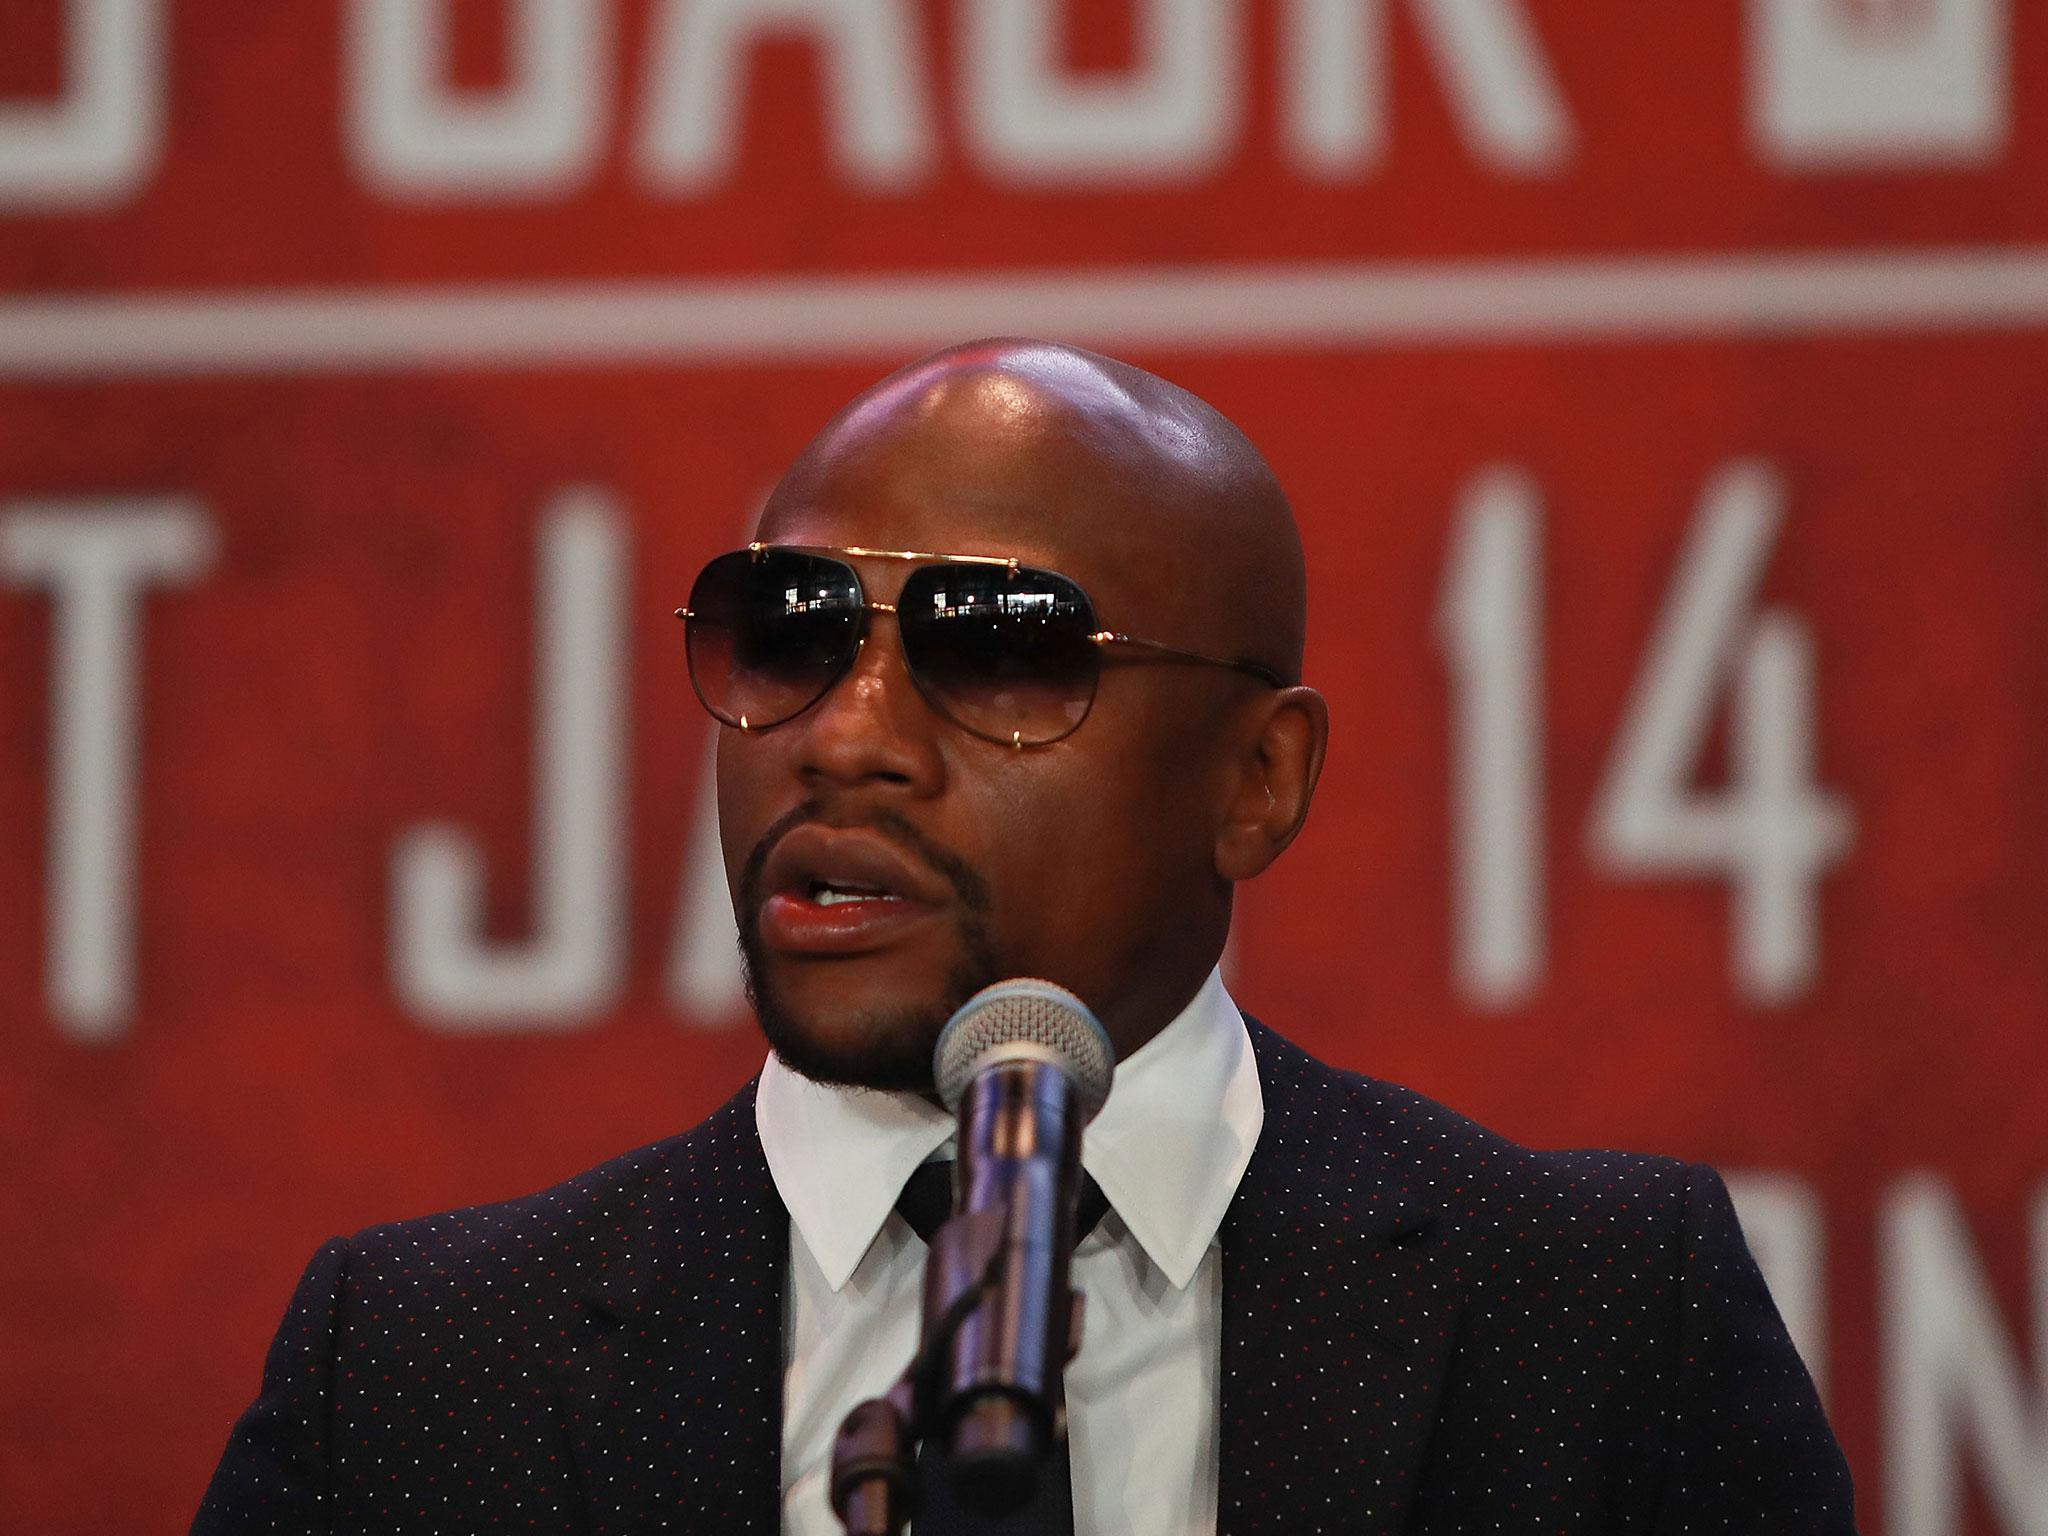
(1459, 1166)
(535, 1241)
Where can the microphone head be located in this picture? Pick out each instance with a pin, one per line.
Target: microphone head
(1025, 1020)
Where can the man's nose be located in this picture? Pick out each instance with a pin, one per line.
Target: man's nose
(873, 725)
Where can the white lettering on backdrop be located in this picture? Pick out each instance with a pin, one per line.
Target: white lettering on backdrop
(1883, 82)
(1500, 87)
(1827, 86)
(877, 88)
(1952, 1379)
(96, 557)
(1171, 118)
(1489, 621)
(415, 137)
(704, 982)
(1772, 832)
(100, 139)
(574, 965)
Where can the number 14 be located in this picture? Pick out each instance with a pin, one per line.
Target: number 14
(1772, 833)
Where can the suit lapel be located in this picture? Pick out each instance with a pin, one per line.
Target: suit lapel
(675, 1385)
(1338, 1317)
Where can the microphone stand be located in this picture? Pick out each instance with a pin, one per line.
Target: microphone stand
(874, 1487)
(1001, 1319)
(874, 1455)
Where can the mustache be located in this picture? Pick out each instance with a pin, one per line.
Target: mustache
(969, 888)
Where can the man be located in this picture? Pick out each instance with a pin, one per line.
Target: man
(1013, 682)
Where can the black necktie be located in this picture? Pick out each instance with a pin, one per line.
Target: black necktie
(926, 1202)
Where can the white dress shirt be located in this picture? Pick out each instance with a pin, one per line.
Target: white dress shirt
(1168, 1150)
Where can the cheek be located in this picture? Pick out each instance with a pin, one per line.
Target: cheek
(1091, 861)
(745, 812)
(733, 817)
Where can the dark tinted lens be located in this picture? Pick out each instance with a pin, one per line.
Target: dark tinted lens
(770, 632)
(1004, 652)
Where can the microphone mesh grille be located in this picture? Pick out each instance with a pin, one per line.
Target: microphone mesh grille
(1037, 1013)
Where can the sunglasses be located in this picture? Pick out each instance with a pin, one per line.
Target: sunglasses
(1006, 651)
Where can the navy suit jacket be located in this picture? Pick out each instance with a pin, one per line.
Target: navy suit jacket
(1427, 1329)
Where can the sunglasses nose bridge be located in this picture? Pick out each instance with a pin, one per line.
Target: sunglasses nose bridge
(875, 708)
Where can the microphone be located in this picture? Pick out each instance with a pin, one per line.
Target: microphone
(1025, 1066)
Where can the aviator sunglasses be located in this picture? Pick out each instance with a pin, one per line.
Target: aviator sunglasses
(1006, 651)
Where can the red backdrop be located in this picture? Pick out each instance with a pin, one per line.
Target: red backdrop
(1662, 399)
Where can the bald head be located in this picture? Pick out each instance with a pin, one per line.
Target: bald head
(1079, 460)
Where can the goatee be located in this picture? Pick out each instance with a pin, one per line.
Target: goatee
(894, 1049)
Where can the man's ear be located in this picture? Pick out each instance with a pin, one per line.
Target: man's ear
(1273, 778)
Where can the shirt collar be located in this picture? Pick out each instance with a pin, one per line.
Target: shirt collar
(840, 1157)
(1168, 1148)
(1171, 1144)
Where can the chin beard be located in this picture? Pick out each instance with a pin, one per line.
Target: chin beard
(893, 1048)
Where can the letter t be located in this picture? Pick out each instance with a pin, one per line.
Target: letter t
(96, 556)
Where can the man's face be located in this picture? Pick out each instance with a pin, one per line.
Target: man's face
(885, 862)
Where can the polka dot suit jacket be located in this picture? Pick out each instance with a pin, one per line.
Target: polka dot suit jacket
(1427, 1330)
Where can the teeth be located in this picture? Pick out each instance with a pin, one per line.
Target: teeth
(829, 895)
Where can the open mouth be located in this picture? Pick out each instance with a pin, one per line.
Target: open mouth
(836, 891)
